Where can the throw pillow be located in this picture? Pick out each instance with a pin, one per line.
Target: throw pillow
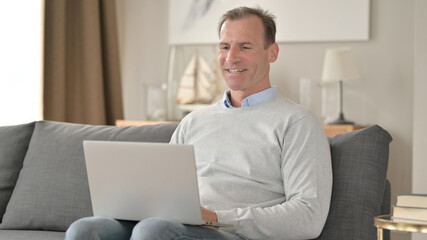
(14, 142)
(359, 163)
(52, 190)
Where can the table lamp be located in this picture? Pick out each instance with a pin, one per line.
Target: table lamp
(339, 66)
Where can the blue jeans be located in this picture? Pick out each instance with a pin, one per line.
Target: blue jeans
(99, 228)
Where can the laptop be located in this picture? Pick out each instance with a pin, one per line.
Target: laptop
(136, 180)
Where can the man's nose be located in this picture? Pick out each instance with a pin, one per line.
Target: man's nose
(233, 55)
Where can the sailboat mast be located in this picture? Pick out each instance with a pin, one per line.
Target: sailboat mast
(196, 69)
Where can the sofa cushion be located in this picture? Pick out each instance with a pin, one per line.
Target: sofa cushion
(33, 235)
(359, 162)
(52, 190)
(14, 142)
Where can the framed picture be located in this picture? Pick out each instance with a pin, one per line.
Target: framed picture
(195, 21)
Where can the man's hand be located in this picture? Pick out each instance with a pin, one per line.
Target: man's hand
(209, 216)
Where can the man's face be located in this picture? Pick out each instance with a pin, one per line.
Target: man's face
(244, 61)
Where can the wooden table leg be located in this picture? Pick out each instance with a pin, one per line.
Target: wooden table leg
(379, 233)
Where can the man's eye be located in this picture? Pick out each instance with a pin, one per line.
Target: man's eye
(223, 48)
(246, 47)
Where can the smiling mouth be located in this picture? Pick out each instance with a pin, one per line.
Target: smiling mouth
(236, 70)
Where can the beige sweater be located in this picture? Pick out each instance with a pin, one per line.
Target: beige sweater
(266, 169)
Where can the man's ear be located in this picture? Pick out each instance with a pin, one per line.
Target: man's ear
(273, 52)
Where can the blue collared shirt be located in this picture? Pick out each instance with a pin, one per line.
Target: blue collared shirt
(252, 100)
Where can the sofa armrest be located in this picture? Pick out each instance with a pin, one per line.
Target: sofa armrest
(360, 187)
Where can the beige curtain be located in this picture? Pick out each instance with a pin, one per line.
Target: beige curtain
(81, 62)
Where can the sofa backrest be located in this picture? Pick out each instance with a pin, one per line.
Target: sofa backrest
(360, 188)
(52, 189)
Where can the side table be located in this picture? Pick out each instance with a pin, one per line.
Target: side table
(385, 222)
(334, 129)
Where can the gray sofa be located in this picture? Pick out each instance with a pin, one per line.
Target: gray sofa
(43, 182)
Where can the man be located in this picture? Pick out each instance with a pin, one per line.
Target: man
(263, 162)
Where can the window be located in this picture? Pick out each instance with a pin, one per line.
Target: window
(21, 26)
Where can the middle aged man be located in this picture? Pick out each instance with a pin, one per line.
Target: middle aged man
(263, 162)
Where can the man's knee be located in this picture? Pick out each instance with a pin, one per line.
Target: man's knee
(95, 228)
(156, 228)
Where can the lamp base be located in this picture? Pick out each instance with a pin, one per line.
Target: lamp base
(341, 120)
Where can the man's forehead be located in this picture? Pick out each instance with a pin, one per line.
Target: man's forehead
(242, 31)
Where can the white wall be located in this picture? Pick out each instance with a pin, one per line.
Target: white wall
(419, 177)
(143, 29)
(420, 99)
(383, 95)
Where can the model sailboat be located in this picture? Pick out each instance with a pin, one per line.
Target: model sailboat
(200, 83)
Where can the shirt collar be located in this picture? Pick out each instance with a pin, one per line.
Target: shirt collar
(251, 100)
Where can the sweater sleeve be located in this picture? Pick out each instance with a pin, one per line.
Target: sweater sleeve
(178, 136)
(307, 180)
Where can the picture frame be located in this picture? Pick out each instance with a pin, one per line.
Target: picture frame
(195, 21)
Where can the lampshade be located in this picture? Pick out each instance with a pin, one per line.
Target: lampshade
(339, 65)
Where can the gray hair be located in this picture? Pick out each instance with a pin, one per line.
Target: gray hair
(267, 21)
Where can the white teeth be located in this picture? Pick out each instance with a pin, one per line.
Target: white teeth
(235, 70)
